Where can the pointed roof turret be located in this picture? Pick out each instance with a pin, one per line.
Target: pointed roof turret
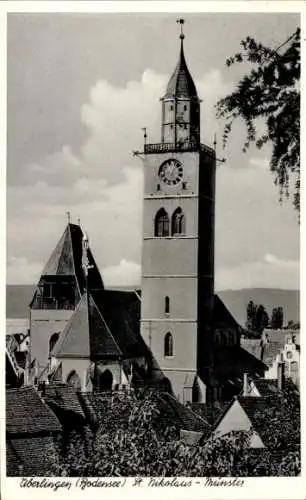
(66, 259)
(181, 83)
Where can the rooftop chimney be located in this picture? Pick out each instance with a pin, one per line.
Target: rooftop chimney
(280, 375)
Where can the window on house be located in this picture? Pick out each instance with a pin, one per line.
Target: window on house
(171, 107)
(161, 223)
(168, 347)
(185, 107)
(52, 341)
(178, 222)
(167, 304)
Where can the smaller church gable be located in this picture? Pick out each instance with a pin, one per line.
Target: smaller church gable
(86, 334)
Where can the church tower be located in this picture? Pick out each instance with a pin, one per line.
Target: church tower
(58, 293)
(178, 240)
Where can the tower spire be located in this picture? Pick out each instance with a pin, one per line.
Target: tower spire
(180, 103)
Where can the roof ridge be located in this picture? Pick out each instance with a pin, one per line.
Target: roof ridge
(107, 327)
(73, 264)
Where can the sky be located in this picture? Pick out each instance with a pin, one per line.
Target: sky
(79, 89)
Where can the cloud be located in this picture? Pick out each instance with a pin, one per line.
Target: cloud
(124, 274)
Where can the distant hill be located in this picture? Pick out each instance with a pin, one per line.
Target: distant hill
(19, 297)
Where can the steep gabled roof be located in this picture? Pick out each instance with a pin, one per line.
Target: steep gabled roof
(181, 83)
(86, 334)
(66, 259)
(121, 312)
(105, 325)
(251, 406)
(74, 339)
(27, 414)
(222, 318)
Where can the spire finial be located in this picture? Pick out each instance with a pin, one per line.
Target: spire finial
(68, 217)
(181, 22)
(85, 260)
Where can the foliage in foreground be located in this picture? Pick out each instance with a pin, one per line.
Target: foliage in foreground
(270, 91)
(128, 442)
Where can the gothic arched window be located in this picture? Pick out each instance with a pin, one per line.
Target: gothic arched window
(161, 223)
(52, 341)
(178, 222)
(74, 380)
(167, 304)
(168, 348)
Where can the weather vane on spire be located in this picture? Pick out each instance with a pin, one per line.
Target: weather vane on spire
(181, 22)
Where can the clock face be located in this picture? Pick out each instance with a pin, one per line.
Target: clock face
(171, 172)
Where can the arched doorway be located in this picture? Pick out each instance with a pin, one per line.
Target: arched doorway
(74, 380)
(105, 381)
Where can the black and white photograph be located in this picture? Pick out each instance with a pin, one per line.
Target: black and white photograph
(152, 247)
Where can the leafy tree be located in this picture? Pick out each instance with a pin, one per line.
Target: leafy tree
(269, 91)
(261, 319)
(277, 318)
(251, 315)
(141, 446)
